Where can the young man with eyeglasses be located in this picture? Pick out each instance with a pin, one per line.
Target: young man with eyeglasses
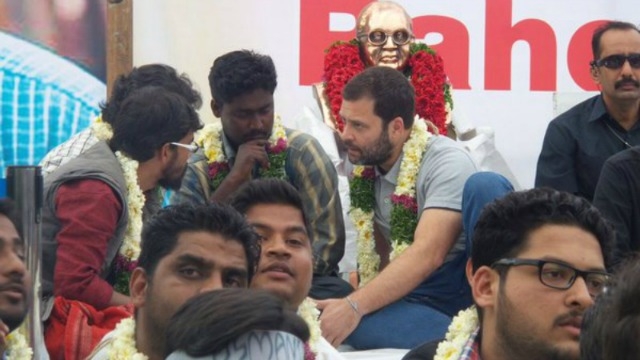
(578, 142)
(538, 261)
(88, 210)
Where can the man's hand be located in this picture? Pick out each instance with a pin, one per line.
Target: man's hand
(338, 319)
(4, 331)
(248, 155)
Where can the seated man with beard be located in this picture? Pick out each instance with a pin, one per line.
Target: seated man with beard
(94, 207)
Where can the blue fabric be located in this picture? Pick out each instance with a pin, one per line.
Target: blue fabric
(44, 99)
(480, 189)
(403, 324)
(425, 313)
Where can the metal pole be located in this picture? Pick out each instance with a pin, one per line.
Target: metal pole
(24, 187)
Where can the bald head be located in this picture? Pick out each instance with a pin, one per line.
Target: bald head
(378, 7)
(385, 34)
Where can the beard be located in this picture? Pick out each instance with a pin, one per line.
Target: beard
(374, 154)
(172, 177)
(519, 341)
(13, 319)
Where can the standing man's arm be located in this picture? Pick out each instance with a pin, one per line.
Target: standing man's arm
(557, 161)
(195, 183)
(613, 197)
(316, 179)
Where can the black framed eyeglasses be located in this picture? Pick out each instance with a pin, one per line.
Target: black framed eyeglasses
(191, 147)
(561, 276)
(379, 37)
(615, 62)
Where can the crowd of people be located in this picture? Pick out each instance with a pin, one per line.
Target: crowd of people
(452, 262)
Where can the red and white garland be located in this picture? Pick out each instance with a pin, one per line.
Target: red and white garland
(424, 68)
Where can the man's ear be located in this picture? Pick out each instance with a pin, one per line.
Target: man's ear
(594, 71)
(469, 271)
(396, 125)
(216, 108)
(485, 283)
(138, 287)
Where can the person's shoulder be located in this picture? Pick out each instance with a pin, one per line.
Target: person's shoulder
(302, 141)
(625, 157)
(577, 114)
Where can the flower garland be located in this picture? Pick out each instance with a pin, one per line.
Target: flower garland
(17, 346)
(461, 328)
(123, 342)
(127, 258)
(101, 129)
(404, 209)
(310, 314)
(424, 67)
(210, 139)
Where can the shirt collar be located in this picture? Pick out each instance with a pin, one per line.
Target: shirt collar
(471, 349)
(392, 175)
(227, 148)
(599, 110)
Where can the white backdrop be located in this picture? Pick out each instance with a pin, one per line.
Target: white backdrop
(190, 34)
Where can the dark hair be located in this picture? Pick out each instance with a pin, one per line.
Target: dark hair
(392, 93)
(241, 72)
(612, 328)
(149, 118)
(209, 322)
(8, 210)
(269, 191)
(610, 25)
(149, 75)
(160, 233)
(504, 225)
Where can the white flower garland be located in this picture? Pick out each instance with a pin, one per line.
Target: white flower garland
(17, 345)
(101, 129)
(311, 315)
(413, 149)
(460, 329)
(130, 248)
(122, 345)
(210, 140)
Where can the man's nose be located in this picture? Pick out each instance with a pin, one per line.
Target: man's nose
(14, 266)
(626, 68)
(213, 283)
(389, 43)
(579, 295)
(278, 247)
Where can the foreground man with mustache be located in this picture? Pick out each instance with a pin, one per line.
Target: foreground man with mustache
(251, 142)
(578, 142)
(538, 262)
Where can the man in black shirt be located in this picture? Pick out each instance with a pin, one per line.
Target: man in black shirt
(578, 142)
(618, 198)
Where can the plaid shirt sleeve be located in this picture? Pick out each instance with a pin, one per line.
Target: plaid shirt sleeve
(314, 175)
(44, 99)
(195, 187)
